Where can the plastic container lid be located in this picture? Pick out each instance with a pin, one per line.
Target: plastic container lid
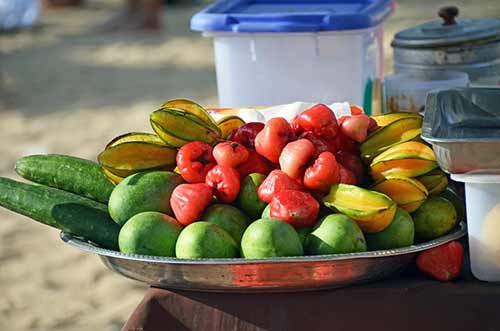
(449, 32)
(462, 114)
(291, 15)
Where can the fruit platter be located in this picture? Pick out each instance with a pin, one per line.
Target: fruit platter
(320, 200)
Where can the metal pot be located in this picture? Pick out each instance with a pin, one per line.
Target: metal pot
(468, 45)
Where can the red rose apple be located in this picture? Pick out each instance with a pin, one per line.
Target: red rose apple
(297, 208)
(225, 182)
(356, 127)
(323, 173)
(318, 119)
(194, 160)
(352, 163)
(270, 141)
(230, 153)
(246, 133)
(254, 163)
(275, 182)
(188, 201)
(443, 263)
(295, 157)
(347, 176)
(320, 143)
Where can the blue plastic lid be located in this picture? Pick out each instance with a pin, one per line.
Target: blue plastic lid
(291, 15)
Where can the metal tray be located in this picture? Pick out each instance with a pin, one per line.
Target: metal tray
(286, 274)
(466, 155)
(463, 127)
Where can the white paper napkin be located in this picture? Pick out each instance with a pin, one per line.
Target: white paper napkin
(287, 111)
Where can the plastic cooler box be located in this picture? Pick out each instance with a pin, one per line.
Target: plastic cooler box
(281, 51)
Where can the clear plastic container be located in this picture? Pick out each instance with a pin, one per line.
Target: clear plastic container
(408, 91)
(277, 52)
(482, 200)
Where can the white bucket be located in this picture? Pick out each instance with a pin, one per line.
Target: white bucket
(482, 200)
(267, 69)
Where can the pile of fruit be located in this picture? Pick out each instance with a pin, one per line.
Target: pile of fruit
(200, 188)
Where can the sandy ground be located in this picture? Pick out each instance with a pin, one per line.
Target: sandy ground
(65, 88)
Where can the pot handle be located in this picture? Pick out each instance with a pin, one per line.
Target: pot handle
(448, 14)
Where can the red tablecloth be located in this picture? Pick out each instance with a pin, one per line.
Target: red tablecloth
(408, 302)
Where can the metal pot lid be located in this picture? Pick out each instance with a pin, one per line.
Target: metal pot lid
(449, 32)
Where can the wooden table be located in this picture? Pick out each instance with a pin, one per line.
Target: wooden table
(407, 302)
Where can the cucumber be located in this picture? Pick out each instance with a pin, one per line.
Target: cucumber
(62, 210)
(67, 173)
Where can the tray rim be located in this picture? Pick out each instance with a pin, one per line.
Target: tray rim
(459, 231)
(431, 139)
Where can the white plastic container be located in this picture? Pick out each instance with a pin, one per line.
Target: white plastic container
(482, 200)
(277, 52)
(407, 91)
